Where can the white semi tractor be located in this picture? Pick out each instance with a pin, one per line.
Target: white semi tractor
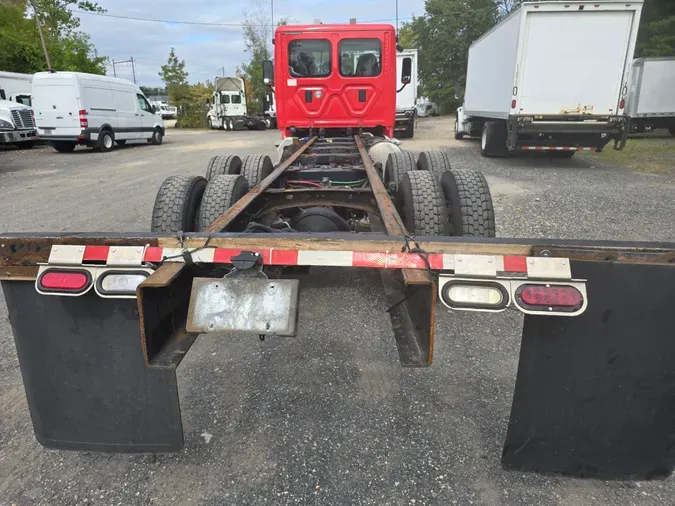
(228, 109)
(406, 98)
(17, 121)
(552, 76)
(651, 99)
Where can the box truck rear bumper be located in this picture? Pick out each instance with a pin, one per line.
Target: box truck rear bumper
(525, 132)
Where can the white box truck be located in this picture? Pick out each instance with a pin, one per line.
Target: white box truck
(406, 107)
(16, 87)
(651, 99)
(552, 76)
(228, 109)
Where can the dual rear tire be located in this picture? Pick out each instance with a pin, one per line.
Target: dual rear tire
(436, 200)
(192, 203)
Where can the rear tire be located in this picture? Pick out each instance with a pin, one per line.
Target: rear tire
(422, 204)
(255, 168)
(106, 141)
(469, 204)
(64, 147)
(223, 164)
(177, 204)
(397, 165)
(493, 139)
(434, 161)
(222, 192)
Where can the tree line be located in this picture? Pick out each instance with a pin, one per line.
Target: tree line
(69, 48)
(446, 30)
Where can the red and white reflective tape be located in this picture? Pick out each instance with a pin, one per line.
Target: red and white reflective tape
(482, 266)
(556, 148)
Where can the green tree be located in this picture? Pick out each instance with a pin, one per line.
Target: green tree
(443, 36)
(657, 29)
(175, 77)
(257, 32)
(68, 48)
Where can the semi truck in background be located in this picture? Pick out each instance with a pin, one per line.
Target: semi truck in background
(17, 125)
(651, 98)
(552, 76)
(406, 107)
(228, 109)
(16, 87)
(270, 108)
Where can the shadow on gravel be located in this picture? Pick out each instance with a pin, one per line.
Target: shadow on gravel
(530, 159)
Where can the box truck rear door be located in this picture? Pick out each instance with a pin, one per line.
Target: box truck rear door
(573, 62)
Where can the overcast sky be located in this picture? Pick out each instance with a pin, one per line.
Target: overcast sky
(206, 49)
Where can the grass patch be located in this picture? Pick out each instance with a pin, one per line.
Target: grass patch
(652, 155)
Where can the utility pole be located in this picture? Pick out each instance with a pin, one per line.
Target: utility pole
(133, 67)
(42, 37)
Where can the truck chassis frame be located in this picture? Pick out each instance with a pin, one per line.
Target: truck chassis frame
(594, 392)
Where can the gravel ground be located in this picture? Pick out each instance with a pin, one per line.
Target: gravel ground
(328, 417)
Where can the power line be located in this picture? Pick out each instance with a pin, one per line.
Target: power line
(199, 23)
(240, 24)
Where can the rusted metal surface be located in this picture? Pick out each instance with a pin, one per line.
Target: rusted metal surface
(162, 309)
(278, 200)
(223, 221)
(636, 256)
(390, 217)
(31, 249)
(23, 273)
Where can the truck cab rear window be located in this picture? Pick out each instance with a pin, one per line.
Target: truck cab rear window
(360, 57)
(309, 58)
(236, 99)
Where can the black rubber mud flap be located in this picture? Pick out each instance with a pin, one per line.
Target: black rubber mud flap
(87, 385)
(595, 395)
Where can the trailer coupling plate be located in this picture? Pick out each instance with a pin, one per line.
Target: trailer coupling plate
(251, 305)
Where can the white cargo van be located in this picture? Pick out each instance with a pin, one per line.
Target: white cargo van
(72, 108)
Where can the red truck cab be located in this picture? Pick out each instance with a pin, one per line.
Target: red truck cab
(335, 77)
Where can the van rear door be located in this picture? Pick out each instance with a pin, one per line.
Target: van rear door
(56, 105)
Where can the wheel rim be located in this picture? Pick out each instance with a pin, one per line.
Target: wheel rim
(156, 136)
(268, 123)
(107, 141)
(483, 139)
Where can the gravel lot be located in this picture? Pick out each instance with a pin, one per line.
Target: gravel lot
(328, 417)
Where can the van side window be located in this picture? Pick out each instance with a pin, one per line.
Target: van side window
(143, 103)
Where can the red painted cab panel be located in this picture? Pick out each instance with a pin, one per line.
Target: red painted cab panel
(336, 76)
